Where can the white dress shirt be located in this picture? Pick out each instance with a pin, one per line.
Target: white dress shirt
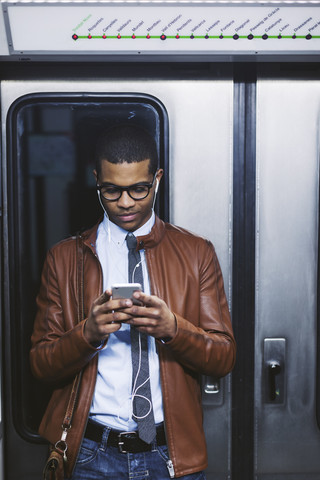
(112, 400)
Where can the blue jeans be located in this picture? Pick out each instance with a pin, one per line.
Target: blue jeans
(99, 462)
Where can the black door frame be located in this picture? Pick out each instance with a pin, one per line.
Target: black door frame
(243, 275)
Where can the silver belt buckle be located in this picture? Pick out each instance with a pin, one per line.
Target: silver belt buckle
(121, 442)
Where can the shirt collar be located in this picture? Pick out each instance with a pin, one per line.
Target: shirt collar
(118, 234)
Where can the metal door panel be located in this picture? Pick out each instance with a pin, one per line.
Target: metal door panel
(286, 433)
(200, 121)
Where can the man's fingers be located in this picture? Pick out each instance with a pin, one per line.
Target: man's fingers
(104, 297)
(108, 304)
(147, 300)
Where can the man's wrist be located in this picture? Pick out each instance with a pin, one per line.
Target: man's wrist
(168, 339)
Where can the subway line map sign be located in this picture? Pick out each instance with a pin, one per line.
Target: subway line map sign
(162, 28)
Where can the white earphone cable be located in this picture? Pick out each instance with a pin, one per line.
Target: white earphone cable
(135, 389)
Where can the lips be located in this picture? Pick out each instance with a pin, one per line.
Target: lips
(127, 217)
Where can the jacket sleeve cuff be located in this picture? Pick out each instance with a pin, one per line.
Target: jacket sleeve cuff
(183, 327)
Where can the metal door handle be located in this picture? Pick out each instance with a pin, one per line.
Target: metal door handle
(274, 369)
(212, 391)
(212, 385)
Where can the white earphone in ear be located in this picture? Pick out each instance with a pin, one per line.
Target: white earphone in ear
(106, 214)
(155, 193)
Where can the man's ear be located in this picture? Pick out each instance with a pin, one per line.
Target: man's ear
(158, 178)
(95, 175)
(159, 174)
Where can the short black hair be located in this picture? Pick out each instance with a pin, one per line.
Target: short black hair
(126, 143)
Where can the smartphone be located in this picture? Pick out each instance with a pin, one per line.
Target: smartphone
(126, 290)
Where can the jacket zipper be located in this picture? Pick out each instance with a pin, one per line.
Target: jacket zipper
(170, 468)
(169, 462)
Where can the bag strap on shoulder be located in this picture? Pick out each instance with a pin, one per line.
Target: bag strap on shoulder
(59, 450)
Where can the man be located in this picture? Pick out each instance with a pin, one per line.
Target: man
(171, 333)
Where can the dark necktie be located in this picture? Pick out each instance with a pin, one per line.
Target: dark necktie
(142, 404)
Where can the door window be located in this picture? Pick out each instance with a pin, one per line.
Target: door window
(51, 195)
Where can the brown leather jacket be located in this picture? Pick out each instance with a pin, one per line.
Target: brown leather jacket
(184, 271)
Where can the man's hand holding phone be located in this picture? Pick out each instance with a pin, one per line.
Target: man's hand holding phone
(127, 303)
(107, 313)
(153, 316)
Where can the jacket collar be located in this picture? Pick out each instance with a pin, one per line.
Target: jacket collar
(145, 241)
(154, 237)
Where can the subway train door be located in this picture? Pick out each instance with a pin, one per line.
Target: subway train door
(265, 423)
(48, 132)
(286, 400)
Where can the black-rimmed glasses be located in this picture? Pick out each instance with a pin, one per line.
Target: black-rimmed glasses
(138, 191)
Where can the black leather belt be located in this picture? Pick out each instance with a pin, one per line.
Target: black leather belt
(126, 442)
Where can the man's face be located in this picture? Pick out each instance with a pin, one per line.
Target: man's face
(126, 212)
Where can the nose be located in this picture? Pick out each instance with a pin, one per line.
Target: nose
(125, 201)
